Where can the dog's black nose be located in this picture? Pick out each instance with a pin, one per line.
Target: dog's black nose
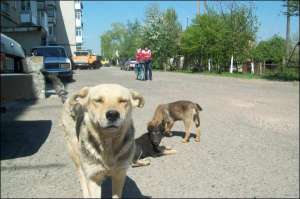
(112, 115)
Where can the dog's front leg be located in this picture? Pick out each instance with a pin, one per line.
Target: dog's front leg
(94, 185)
(94, 189)
(169, 151)
(83, 182)
(166, 150)
(118, 180)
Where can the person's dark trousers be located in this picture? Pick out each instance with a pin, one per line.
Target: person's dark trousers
(148, 70)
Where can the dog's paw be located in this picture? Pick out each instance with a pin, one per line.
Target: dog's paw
(185, 141)
(142, 162)
(197, 139)
(171, 151)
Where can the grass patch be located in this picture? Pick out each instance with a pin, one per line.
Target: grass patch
(288, 74)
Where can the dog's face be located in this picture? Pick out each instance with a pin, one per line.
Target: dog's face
(109, 106)
(155, 133)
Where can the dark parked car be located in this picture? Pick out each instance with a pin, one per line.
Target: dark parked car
(55, 61)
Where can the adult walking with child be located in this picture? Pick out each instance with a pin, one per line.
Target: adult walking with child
(148, 64)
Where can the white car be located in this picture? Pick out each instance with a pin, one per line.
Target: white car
(129, 65)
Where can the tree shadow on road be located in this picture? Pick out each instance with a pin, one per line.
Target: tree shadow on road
(23, 138)
(130, 190)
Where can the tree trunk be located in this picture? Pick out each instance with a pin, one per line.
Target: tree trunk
(260, 68)
(231, 65)
(252, 67)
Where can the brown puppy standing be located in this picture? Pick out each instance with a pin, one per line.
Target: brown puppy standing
(166, 114)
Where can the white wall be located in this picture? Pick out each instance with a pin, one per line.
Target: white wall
(65, 26)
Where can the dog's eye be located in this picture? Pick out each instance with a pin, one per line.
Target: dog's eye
(123, 101)
(100, 100)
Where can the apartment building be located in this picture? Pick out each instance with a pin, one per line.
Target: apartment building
(78, 25)
(43, 22)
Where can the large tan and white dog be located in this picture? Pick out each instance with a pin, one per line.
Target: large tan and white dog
(99, 133)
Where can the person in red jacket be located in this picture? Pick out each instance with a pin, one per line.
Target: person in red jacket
(148, 66)
(139, 65)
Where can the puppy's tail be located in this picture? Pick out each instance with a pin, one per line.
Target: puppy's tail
(196, 115)
(196, 119)
(198, 107)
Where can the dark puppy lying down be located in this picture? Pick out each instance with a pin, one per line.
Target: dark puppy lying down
(147, 145)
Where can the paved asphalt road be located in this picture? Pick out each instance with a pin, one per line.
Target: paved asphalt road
(249, 145)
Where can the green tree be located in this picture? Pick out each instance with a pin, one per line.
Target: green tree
(132, 39)
(218, 35)
(171, 31)
(204, 39)
(106, 48)
(161, 34)
(272, 49)
(241, 28)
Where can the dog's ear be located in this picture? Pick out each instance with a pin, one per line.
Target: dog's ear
(150, 127)
(137, 99)
(162, 126)
(79, 96)
(77, 110)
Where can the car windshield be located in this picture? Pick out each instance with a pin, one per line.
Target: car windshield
(50, 52)
(81, 53)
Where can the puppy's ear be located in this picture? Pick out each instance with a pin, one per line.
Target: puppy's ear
(137, 99)
(162, 126)
(150, 127)
(79, 96)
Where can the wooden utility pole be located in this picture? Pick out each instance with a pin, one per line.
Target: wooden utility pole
(198, 7)
(205, 7)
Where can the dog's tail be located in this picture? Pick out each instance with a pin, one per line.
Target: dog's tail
(196, 119)
(198, 107)
(58, 87)
(196, 115)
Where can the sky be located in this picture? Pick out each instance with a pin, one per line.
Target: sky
(99, 15)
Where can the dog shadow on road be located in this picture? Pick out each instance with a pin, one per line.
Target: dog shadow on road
(131, 190)
(180, 134)
(23, 138)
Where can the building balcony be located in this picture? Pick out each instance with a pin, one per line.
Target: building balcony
(41, 5)
(43, 20)
(5, 8)
(78, 5)
(51, 3)
(79, 39)
(27, 17)
(52, 20)
(78, 23)
(51, 39)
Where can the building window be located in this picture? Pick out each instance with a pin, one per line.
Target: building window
(15, 4)
(78, 32)
(78, 15)
(5, 7)
(51, 29)
(51, 11)
(25, 5)
(78, 47)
